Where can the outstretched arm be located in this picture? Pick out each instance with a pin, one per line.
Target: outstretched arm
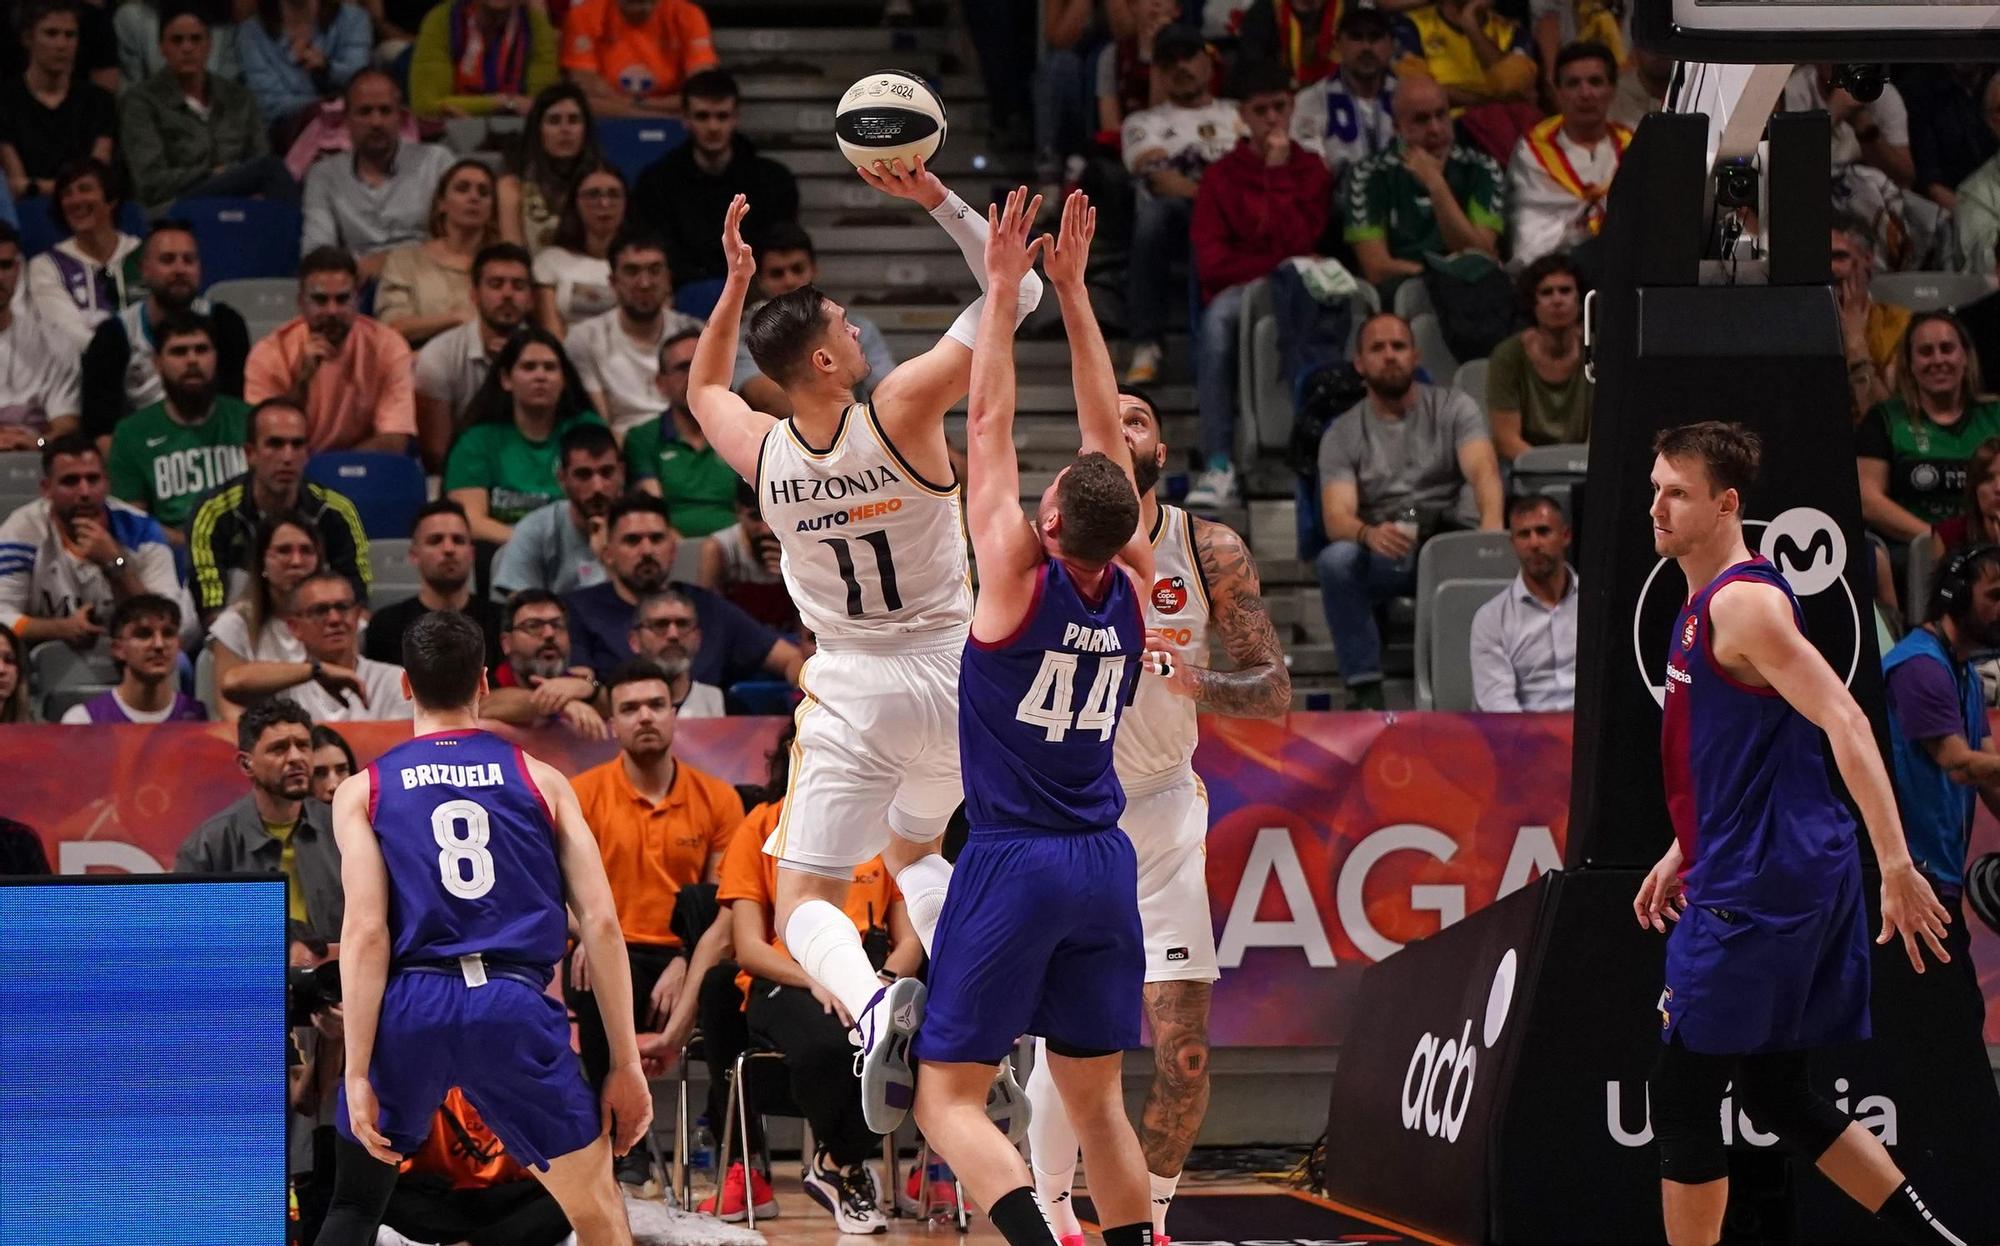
(736, 431)
(1753, 624)
(1004, 547)
(1260, 686)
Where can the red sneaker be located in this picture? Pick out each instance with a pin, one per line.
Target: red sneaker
(729, 1204)
(943, 1197)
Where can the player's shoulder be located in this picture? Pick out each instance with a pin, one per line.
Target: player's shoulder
(1750, 603)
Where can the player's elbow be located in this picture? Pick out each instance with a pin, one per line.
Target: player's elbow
(362, 933)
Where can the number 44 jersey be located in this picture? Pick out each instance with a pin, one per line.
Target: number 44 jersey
(872, 550)
(469, 843)
(1037, 712)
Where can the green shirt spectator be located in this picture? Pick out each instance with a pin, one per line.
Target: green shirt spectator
(473, 57)
(1386, 203)
(519, 475)
(183, 128)
(164, 464)
(1926, 460)
(1551, 413)
(697, 486)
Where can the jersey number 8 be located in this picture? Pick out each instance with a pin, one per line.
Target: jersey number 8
(464, 865)
(1048, 700)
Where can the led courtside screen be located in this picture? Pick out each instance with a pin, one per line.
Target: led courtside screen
(142, 1062)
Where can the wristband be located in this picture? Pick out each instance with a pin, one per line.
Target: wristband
(1361, 534)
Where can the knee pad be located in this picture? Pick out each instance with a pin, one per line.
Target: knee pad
(1773, 1091)
(1685, 1094)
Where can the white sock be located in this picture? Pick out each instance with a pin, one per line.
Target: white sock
(1163, 1197)
(1051, 1146)
(828, 947)
(923, 883)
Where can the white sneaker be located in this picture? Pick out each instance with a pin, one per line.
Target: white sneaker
(386, 1236)
(1144, 368)
(1213, 488)
(1007, 1104)
(849, 1194)
(888, 1074)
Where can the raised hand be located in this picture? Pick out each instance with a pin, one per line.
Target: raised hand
(1068, 254)
(1009, 254)
(736, 253)
(915, 183)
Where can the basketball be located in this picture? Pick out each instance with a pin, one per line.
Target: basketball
(889, 116)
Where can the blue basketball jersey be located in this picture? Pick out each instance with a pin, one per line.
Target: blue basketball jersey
(1037, 712)
(470, 847)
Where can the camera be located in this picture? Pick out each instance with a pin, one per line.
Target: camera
(310, 991)
(1863, 82)
(1736, 184)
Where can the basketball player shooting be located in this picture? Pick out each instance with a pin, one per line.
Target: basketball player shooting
(867, 514)
(1040, 934)
(458, 855)
(1205, 583)
(1769, 956)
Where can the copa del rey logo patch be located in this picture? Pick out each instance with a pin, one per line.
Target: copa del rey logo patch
(1170, 595)
(1687, 634)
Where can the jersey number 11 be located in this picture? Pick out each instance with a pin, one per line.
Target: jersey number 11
(885, 570)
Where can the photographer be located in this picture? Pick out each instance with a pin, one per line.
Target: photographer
(315, 1059)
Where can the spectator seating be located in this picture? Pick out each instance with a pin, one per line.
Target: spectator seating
(1413, 299)
(1470, 379)
(1453, 556)
(388, 489)
(204, 681)
(762, 696)
(243, 238)
(1261, 388)
(1451, 612)
(20, 480)
(263, 302)
(1553, 470)
(41, 228)
(632, 143)
(698, 298)
(1922, 292)
(1917, 573)
(1433, 356)
(63, 677)
(395, 577)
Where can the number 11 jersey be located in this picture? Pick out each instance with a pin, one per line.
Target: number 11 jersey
(469, 844)
(872, 552)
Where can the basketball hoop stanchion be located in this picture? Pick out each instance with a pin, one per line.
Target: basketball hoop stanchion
(1497, 1092)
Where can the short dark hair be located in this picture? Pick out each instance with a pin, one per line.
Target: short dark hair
(182, 322)
(1260, 77)
(675, 339)
(265, 715)
(668, 595)
(328, 260)
(1177, 43)
(635, 240)
(1360, 22)
(1525, 503)
(711, 84)
(173, 224)
(144, 606)
(435, 507)
(364, 74)
(785, 330)
(1368, 322)
(635, 504)
(1099, 507)
(1535, 274)
(501, 253)
(1585, 50)
(590, 439)
(746, 495)
(75, 445)
(171, 9)
(276, 401)
(529, 597)
(635, 671)
(444, 654)
(31, 13)
(1152, 406)
(1730, 452)
(78, 168)
(786, 236)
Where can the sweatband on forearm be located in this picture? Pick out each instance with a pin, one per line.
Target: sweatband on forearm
(965, 329)
(968, 229)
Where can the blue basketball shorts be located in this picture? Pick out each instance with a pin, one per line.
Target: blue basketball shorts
(505, 1044)
(1039, 935)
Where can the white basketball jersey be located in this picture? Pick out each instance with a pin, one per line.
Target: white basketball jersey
(1156, 737)
(873, 554)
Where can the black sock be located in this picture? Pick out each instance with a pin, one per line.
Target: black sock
(1140, 1234)
(1019, 1216)
(1913, 1221)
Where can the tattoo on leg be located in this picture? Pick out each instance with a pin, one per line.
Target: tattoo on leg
(1178, 1100)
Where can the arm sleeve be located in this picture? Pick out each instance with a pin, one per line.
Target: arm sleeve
(156, 563)
(104, 364)
(346, 542)
(1486, 198)
(1468, 422)
(1505, 377)
(1366, 217)
(204, 545)
(394, 294)
(749, 642)
(127, 469)
(468, 465)
(193, 856)
(396, 410)
(696, 39)
(1924, 700)
(514, 566)
(1336, 451)
(642, 451)
(1893, 115)
(430, 66)
(578, 49)
(53, 306)
(349, 44)
(17, 567)
(1493, 689)
(65, 392)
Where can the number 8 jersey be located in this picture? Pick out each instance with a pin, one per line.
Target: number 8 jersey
(871, 550)
(470, 847)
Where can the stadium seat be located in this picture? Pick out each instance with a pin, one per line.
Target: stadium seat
(1449, 682)
(388, 489)
(59, 702)
(1454, 556)
(20, 480)
(772, 697)
(245, 238)
(204, 681)
(1413, 299)
(1917, 574)
(263, 302)
(1922, 292)
(1433, 356)
(394, 576)
(54, 665)
(1470, 379)
(1553, 470)
(1261, 388)
(41, 228)
(632, 143)
(698, 298)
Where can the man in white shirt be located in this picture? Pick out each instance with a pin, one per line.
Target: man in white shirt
(618, 353)
(70, 556)
(335, 683)
(1345, 117)
(1560, 176)
(667, 630)
(1875, 134)
(452, 366)
(1166, 148)
(1524, 640)
(40, 390)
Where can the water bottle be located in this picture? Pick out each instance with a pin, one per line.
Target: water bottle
(1406, 520)
(701, 1147)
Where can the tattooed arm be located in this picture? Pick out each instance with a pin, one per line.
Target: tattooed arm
(1260, 686)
